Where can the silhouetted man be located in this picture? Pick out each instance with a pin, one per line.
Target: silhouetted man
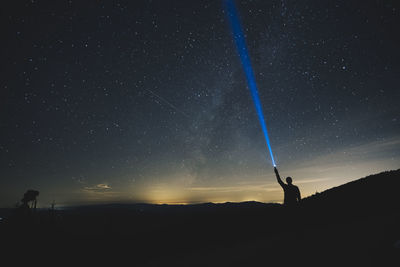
(292, 192)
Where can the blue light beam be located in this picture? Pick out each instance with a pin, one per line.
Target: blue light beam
(240, 42)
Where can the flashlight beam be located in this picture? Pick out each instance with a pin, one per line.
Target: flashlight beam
(240, 42)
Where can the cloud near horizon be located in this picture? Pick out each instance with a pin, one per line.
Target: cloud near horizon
(99, 188)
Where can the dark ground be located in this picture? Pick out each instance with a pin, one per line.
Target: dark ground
(356, 224)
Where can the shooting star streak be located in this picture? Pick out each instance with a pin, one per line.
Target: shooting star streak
(167, 102)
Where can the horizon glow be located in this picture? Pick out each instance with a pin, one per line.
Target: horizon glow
(240, 42)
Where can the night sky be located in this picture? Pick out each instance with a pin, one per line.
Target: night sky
(147, 101)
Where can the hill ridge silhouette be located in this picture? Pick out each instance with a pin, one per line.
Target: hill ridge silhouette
(367, 192)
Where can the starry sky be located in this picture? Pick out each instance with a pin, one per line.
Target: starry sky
(147, 101)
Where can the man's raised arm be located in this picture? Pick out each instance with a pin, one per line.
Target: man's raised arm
(278, 178)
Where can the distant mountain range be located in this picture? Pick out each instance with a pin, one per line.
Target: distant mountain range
(367, 193)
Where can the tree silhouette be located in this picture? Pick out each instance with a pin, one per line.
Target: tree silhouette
(30, 196)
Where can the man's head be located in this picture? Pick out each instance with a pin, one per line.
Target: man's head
(289, 180)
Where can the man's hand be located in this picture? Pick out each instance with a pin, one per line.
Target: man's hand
(275, 170)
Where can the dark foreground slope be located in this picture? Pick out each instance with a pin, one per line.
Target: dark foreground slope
(356, 224)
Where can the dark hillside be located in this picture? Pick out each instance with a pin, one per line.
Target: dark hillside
(374, 194)
(352, 224)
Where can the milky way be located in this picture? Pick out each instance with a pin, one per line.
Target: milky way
(146, 101)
